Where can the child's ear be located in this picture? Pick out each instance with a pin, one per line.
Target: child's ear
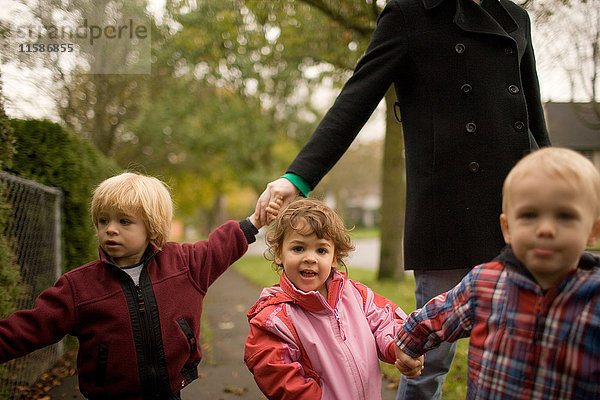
(595, 233)
(504, 227)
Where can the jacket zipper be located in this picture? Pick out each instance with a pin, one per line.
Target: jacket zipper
(150, 348)
(147, 341)
(339, 322)
(345, 348)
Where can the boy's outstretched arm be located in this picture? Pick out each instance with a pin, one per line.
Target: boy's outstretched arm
(407, 365)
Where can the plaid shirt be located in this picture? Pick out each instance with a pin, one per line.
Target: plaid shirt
(525, 343)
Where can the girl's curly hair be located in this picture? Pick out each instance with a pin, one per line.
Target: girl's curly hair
(308, 216)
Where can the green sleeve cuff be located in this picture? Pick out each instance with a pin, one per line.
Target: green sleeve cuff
(299, 182)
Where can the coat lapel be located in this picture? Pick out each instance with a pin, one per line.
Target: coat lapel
(501, 15)
(492, 18)
(472, 17)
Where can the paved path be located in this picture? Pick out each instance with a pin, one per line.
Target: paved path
(224, 374)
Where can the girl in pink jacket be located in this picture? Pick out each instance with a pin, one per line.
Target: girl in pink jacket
(318, 334)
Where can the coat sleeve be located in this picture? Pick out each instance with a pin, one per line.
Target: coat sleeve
(531, 86)
(372, 77)
(208, 259)
(275, 358)
(384, 318)
(445, 318)
(51, 318)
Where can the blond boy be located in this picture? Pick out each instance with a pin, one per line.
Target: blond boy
(136, 310)
(533, 313)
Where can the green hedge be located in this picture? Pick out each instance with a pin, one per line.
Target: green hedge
(9, 271)
(51, 155)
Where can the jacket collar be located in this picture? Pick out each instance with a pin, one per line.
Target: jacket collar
(493, 19)
(286, 292)
(313, 301)
(150, 252)
(507, 257)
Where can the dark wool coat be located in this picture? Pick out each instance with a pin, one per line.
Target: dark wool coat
(469, 99)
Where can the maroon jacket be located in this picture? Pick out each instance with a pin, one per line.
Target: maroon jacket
(136, 342)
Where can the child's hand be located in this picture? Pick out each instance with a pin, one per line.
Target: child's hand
(272, 211)
(407, 365)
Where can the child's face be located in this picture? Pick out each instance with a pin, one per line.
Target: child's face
(123, 236)
(307, 260)
(549, 224)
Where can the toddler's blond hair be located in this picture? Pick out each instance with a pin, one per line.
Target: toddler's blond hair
(560, 163)
(133, 192)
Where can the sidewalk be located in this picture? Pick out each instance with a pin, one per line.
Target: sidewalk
(223, 374)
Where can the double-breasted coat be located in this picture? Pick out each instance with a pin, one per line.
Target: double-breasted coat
(469, 99)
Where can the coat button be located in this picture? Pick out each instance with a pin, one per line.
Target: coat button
(466, 88)
(473, 167)
(470, 127)
(519, 126)
(509, 51)
(459, 48)
(513, 89)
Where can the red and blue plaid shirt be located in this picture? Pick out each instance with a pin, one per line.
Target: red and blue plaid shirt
(525, 343)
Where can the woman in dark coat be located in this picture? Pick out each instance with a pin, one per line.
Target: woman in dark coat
(467, 88)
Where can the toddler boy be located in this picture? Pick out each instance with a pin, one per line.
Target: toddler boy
(533, 313)
(136, 310)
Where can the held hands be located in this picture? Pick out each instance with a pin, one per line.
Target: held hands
(407, 365)
(281, 189)
(271, 212)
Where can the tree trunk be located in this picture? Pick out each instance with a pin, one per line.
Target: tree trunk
(393, 196)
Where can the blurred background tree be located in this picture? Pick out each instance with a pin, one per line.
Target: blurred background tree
(233, 94)
(569, 35)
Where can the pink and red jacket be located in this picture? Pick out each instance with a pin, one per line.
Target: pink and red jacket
(301, 346)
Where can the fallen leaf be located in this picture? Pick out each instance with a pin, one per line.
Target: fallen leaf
(239, 391)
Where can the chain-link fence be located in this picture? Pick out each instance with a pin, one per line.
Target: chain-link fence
(33, 233)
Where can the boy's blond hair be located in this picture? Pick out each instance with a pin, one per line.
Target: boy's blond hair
(133, 192)
(308, 216)
(561, 163)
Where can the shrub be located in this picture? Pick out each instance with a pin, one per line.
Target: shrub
(51, 155)
(9, 271)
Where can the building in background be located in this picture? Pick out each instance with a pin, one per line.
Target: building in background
(576, 126)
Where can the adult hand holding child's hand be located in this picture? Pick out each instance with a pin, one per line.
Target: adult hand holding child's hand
(270, 212)
(281, 190)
